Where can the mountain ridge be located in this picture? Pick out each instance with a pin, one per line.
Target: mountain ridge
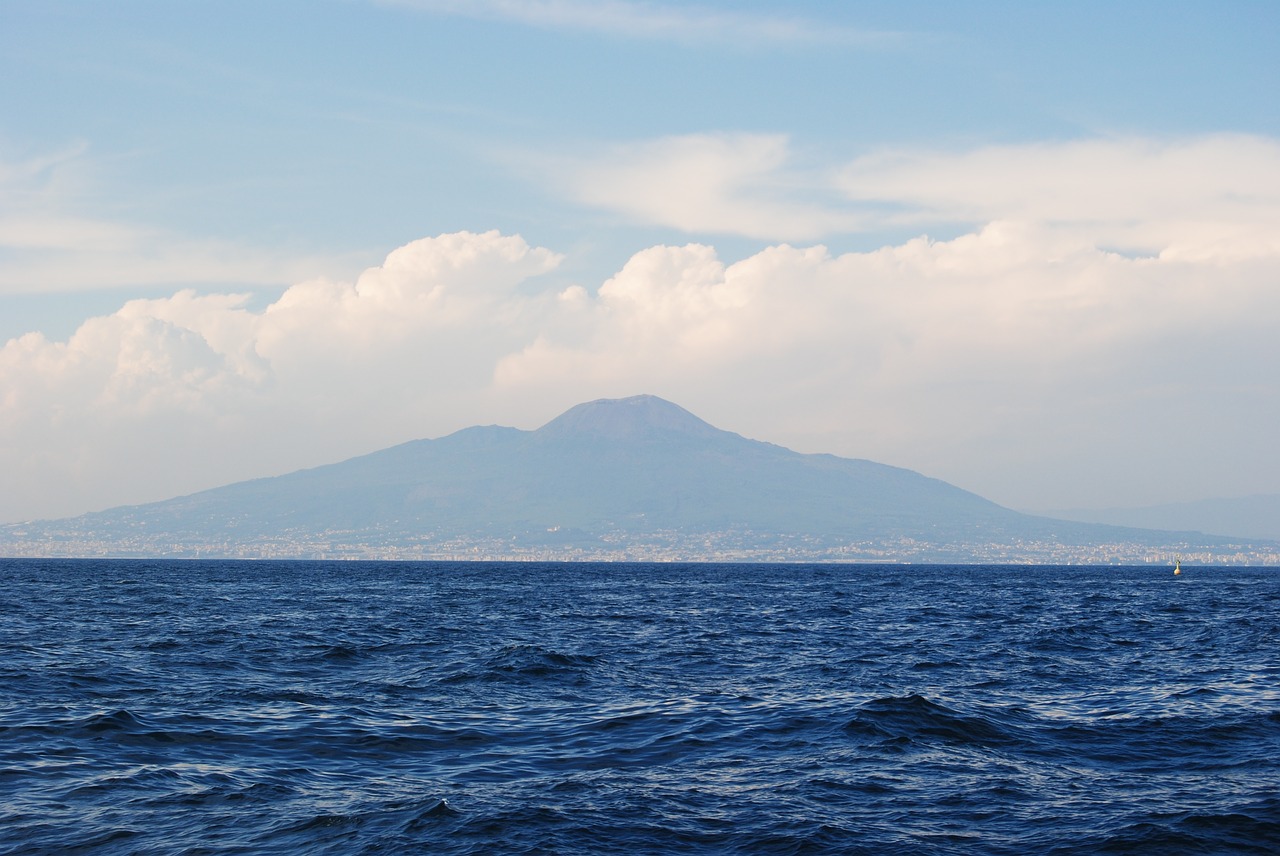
(637, 477)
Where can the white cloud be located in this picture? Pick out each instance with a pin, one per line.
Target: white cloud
(975, 359)
(741, 184)
(1024, 359)
(681, 23)
(1205, 197)
(51, 243)
(972, 359)
(170, 394)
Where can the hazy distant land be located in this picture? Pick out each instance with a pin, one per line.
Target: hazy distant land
(1248, 517)
(624, 479)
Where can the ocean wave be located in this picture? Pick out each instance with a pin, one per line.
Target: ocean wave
(350, 708)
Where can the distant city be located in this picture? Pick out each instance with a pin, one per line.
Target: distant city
(671, 546)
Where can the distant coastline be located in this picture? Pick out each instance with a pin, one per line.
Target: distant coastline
(673, 550)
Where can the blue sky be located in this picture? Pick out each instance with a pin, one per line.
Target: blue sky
(1028, 248)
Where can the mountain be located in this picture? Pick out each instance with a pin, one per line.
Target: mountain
(628, 478)
(1250, 517)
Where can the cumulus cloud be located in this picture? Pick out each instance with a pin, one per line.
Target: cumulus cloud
(990, 306)
(197, 388)
(971, 359)
(1027, 358)
(978, 359)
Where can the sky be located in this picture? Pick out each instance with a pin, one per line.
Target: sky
(1031, 249)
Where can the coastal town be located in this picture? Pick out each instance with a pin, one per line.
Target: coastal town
(659, 546)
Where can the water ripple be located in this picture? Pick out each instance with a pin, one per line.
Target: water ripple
(334, 708)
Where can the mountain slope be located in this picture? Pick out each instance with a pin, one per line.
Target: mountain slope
(637, 474)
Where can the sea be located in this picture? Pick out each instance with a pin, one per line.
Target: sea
(264, 707)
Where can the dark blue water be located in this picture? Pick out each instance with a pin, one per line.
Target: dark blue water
(261, 707)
